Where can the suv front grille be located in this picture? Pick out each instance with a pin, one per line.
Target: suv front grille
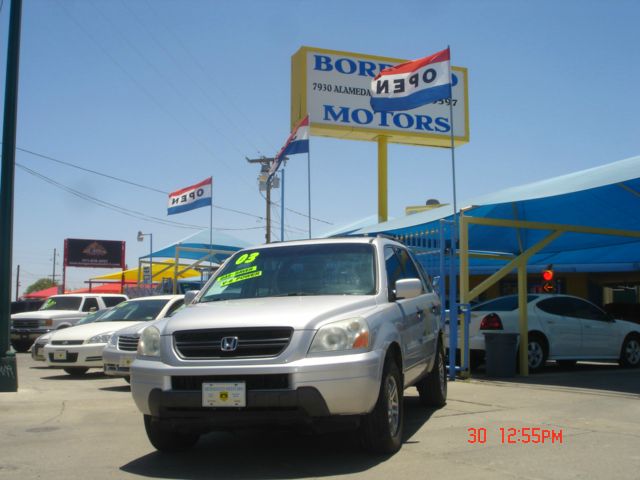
(251, 342)
(26, 323)
(253, 382)
(128, 343)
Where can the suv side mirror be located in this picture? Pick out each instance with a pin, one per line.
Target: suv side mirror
(190, 295)
(408, 288)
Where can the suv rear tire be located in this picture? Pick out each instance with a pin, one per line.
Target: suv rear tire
(167, 439)
(381, 429)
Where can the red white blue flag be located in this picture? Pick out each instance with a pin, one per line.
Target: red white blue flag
(188, 198)
(412, 84)
(298, 142)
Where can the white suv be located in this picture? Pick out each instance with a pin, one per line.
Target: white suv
(311, 332)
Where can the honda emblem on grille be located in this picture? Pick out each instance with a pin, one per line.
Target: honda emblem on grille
(228, 344)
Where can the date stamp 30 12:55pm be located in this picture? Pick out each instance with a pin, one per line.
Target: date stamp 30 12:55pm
(516, 435)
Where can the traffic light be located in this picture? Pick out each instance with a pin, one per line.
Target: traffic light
(547, 278)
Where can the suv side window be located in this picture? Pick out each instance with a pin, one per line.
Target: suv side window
(113, 301)
(394, 270)
(174, 307)
(399, 265)
(90, 305)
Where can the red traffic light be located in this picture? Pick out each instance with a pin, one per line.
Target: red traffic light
(547, 275)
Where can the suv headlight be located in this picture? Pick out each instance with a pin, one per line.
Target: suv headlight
(113, 340)
(149, 343)
(101, 338)
(349, 334)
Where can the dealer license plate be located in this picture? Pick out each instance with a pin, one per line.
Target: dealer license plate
(224, 394)
(60, 355)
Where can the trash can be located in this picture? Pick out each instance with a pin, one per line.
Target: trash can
(500, 351)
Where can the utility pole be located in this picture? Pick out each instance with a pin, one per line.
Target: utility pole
(9, 376)
(53, 275)
(18, 283)
(266, 183)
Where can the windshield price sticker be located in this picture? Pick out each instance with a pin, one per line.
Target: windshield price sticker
(247, 258)
(242, 271)
(240, 278)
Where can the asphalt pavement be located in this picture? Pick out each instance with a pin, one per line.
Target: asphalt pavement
(581, 423)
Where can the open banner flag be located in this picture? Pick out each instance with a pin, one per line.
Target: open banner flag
(412, 84)
(298, 142)
(188, 198)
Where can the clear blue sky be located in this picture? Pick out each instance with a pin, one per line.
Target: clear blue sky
(165, 93)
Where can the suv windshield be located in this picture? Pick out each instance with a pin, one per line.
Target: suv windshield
(291, 270)
(62, 303)
(135, 311)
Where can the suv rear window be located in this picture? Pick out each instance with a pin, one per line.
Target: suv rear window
(113, 301)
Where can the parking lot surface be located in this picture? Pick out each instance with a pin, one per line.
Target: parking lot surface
(583, 423)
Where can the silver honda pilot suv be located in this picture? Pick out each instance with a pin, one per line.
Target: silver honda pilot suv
(317, 333)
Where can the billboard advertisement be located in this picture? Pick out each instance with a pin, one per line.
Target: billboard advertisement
(333, 87)
(93, 253)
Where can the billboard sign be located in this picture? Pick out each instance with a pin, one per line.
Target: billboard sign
(333, 88)
(93, 253)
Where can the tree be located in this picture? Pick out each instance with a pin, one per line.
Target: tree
(40, 285)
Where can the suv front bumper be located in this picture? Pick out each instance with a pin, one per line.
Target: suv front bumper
(315, 387)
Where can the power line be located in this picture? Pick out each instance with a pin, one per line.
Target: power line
(123, 210)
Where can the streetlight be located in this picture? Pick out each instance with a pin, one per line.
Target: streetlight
(140, 239)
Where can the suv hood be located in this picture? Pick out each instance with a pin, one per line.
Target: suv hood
(44, 314)
(301, 313)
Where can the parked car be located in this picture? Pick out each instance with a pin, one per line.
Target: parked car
(77, 349)
(563, 328)
(316, 333)
(37, 349)
(121, 349)
(58, 311)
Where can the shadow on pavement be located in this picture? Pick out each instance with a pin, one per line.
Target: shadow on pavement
(98, 375)
(607, 377)
(272, 454)
(119, 388)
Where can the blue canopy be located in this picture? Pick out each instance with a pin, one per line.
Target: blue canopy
(605, 197)
(223, 245)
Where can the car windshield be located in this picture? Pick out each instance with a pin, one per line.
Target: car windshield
(296, 270)
(135, 311)
(62, 303)
(94, 316)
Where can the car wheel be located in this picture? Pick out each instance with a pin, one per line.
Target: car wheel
(630, 354)
(21, 347)
(381, 430)
(537, 352)
(166, 439)
(433, 388)
(76, 371)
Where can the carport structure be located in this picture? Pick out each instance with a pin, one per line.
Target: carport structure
(196, 251)
(585, 221)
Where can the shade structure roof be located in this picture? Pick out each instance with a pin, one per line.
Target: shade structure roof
(222, 245)
(45, 293)
(133, 274)
(606, 197)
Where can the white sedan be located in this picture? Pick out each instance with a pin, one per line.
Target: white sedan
(561, 327)
(78, 348)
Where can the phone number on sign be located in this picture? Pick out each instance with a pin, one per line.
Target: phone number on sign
(535, 435)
